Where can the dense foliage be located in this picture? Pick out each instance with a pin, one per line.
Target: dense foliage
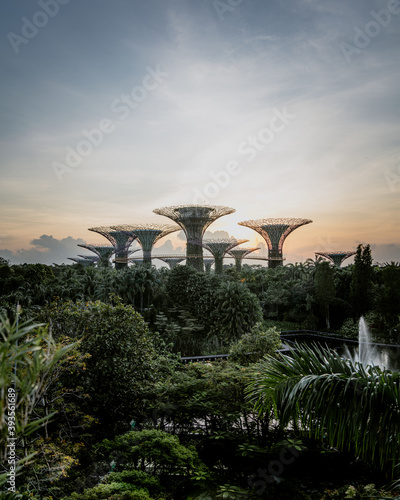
(108, 410)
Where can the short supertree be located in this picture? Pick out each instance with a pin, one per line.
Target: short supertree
(208, 262)
(120, 241)
(194, 220)
(218, 248)
(83, 262)
(171, 261)
(239, 254)
(274, 232)
(147, 235)
(103, 252)
(336, 257)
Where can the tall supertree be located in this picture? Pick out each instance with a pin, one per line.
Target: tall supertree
(239, 254)
(171, 261)
(103, 252)
(147, 235)
(336, 257)
(218, 248)
(120, 241)
(194, 220)
(274, 232)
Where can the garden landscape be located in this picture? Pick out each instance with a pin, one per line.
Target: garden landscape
(122, 389)
(199, 250)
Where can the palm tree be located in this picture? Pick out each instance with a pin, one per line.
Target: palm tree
(355, 408)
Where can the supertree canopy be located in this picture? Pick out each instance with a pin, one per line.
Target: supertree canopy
(92, 258)
(84, 262)
(336, 257)
(239, 254)
(194, 220)
(218, 248)
(121, 242)
(103, 252)
(147, 235)
(274, 232)
(171, 261)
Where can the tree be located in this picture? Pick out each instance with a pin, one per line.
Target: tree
(236, 310)
(361, 281)
(4, 262)
(388, 294)
(324, 288)
(353, 407)
(122, 359)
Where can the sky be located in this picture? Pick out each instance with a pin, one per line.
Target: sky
(279, 108)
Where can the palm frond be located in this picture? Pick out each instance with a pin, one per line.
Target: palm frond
(353, 407)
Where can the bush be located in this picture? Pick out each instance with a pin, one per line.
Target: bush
(158, 450)
(137, 478)
(113, 491)
(255, 345)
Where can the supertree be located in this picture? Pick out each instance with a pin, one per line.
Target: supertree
(218, 248)
(83, 262)
(147, 235)
(207, 264)
(239, 254)
(103, 252)
(274, 232)
(120, 241)
(336, 257)
(194, 220)
(171, 261)
(93, 258)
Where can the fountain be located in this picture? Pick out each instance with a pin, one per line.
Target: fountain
(367, 353)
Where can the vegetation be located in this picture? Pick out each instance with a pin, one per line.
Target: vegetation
(107, 409)
(351, 407)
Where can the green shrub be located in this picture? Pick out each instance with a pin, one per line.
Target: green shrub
(113, 491)
(137, 478)
(255, 345)
(154, 449)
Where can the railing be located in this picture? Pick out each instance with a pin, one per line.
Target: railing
(285, 335)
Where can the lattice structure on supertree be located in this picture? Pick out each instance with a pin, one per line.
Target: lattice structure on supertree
(336, 257)
(218, 248)
(120, 241)
(171, 261)
(239, 254)
(274, 232)
(104, 252)
(147, 235)
(194, 220)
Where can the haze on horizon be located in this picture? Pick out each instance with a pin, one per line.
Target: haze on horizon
(287, 108)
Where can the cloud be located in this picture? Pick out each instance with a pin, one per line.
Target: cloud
(385, 253)
(168, 248)
(216, 235)
(45, 250)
